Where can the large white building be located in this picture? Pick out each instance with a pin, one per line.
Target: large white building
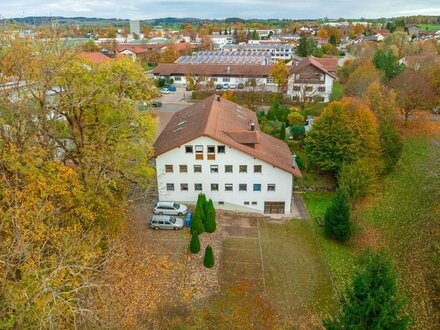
(216, 147)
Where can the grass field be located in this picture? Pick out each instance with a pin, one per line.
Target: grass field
(429, 27)
(402, 218)
(338, 91)
(405, 216)
(297, 279)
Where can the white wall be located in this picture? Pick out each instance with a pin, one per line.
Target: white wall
(269, 175)
(221, 80)
(328, 84)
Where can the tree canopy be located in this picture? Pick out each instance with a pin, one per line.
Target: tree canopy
(346, 131)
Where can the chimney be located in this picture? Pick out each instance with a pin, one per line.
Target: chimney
(217, 97)
(252, 126)
(228, 69)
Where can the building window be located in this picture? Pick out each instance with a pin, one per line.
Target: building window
(228, 187)
(214, 168)
(197, 168)
(257, 187)
(199, 152)
(271, 187)
(254, 203)
(189, 149)
(257, 168)
(243, 168)
(221, 203)
(169, 168)
(184, 187)
(321, 89)
(214, 186)
(183, 169)
(213, 79)
(211, 152)
(242, 187)
(228, 168)
(177, 78)
(170, 186)
(197, 187)
(221, 149)
(226, 79)
(309, 88)
(296, 88)
(246, 203)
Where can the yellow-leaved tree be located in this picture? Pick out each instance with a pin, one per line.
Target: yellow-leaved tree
(72, 142)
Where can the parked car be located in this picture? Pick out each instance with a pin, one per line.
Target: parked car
(156, 104)
(170, 208)
(436, 111)
(232, 86)
(225, 86)
(240, 86)
(218, 86)
(166, 222)
(172, 88)
(164, 91)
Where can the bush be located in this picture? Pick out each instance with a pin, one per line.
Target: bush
(297, 131)
(210, 224)
(283, 131)
(295, 118)
(337, 223)
(358, 178)
(194, 245)
(208, 260)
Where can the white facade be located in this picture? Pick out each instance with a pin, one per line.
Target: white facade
(218, 41)
(323, 90)
(271, 185)
(263, 81)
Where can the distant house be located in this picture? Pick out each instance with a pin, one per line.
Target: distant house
(217, 73)
(275, 50)
(416, 62)
(219, 41)
(312, 79)
(97, 57)
(216, 147)
(412, 29)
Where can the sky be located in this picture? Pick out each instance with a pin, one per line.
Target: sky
(145, 9)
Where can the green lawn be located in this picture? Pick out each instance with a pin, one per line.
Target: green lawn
(402, 218)
(339, 257)
(298, 281)
(429, 27)
(338, 91)
(405, 215)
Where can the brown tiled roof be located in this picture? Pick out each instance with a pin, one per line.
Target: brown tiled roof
(251, 70)
(226, 122)
(328, 63)
(321, 64)
(95, 57)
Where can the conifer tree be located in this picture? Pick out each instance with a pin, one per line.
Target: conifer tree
(196, 223)
(208, 260)
(337, 223)
(194, 245)
(372, 300)
(210, 223)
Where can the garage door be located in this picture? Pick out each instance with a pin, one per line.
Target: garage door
(274, 207)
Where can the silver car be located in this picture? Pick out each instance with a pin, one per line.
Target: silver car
(170, 208)
(166, 222)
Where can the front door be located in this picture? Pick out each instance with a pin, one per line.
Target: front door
(274, 207)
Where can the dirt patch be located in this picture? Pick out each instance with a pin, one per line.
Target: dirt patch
(235, 231)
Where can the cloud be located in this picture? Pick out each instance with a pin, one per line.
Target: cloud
(295, 9)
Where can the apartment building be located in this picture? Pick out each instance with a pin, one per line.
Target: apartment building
(216, 147)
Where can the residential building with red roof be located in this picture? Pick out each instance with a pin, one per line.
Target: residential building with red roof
(216, 147)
